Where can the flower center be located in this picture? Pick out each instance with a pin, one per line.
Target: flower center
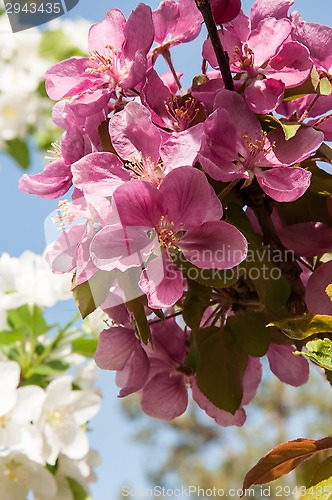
(4, 421)
(57, 418)
(109, 63)
(182, 111)
(145, 169)
(10, 472)
(256, 146)
(69, 213)
(244, 58)
(166, 235)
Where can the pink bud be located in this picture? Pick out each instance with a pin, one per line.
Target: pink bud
(225, 11)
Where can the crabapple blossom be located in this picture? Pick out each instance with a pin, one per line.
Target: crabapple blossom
(178, 203)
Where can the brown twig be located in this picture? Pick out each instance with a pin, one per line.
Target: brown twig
(222, 57)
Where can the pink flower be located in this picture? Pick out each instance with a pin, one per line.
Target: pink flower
(290, 369)
(265, 61)
(318, 301)
(235, 147)
(150, 152)
(176, 22)
(118, 51)
(176, 113)
(225, 11)
(164, 220)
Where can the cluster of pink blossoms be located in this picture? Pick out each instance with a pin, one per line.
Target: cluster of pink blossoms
(147, 164)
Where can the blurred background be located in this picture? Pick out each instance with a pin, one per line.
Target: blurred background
(137, 451)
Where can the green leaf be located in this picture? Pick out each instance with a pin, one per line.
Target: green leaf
(221, 368)
(325, 152)
(56, 45)
(29, 320)
(321, 181)
(207, 277)
(272, 287)
(78, 491)
(323, 471)
(136, 307)
(53, 367)
(250, 332)
(290, 129)
(19, 151)
(284, 458)
(85, 347)
(11, 336)
(319, 352)
(269, 122)
(196, 301)
(325, 86)
(320, 491)
(304, 326)
(90, 294)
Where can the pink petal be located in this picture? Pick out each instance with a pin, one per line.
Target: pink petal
(182, 188)
(291, 64)
(139, 204)
(110, 31)
(53, 182)
(181, 149)
(134, 375)
(284, 183)
(318, 39)
(263, 96)
(290, 369)
(251, 380)
(162, 283)
(214, 245)
(316, 298)
(262, 9)
(99, 173)
(69, 78)
(165, 396)
(154, 95)
(169, 338)
(267, 38)
(115, 346)
(225, 11)
(117, 247)
(62, 256)
(164, 19)
(305, 142)
(318, 238)
(133, 133)
(139, 31)
(244, 120)
(221, 417)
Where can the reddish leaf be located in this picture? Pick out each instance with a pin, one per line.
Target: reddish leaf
(283, 459)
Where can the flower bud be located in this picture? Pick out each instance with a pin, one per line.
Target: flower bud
(225, 11)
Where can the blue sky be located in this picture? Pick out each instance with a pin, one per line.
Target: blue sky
(22, 221)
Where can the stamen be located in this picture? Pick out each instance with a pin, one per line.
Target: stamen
(244, 58)
(55, 152)
(256, 146)
(69, 213)
(182, 111)
(145, 169)
(166, 235)
(328, 291)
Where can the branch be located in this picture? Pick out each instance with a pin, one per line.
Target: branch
(222, 57)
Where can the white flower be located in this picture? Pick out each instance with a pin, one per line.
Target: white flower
(79, 470)
(86, 376)
(64, 412)
(18, 408)
(19, 475)
(31, 281)
(94, 324)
